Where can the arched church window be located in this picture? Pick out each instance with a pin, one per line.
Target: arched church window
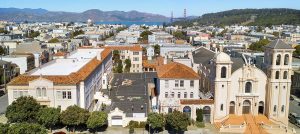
(286, 59)
(248, 87)
(223, 72)
(278, 59)
(274, 109)
(282, 108)
(285, 75)
(277, 75)
(221, 108)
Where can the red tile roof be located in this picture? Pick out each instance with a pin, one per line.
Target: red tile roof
(131, 48)
(176, 71)
(72, 78)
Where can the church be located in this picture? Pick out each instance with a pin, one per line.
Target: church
(234, 92)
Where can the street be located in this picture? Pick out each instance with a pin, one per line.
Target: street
(3, 103)
(294, 108)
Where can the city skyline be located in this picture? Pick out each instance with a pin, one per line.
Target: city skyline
(165, 7)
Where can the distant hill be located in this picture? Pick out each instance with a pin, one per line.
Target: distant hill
(33, 15)
(260, 17)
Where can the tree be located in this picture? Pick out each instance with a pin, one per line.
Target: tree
(258, 46)
(33, 34)
(2, 50)
(223, 32)
(96, 120)
(179, 35)
(48, 117)
(74, 116)
(24, 109)
(119, 68)
(156, 120)
(2, 30)
(127, 65)
(199, 113)
(26, 128)
(178, 121)
(276, 34)
(297, 51)
(76, 33)
(54, 40)
(156, 49)
(144, 35)
(4, 128)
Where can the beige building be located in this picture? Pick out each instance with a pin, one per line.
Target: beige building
(133, 53)
(73, 80)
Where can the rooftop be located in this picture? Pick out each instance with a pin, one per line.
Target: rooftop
(69, 65)
(176, 70)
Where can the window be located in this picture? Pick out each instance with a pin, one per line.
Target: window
(64, 94)
(172, 94)
(166, 94)
(282, 108)
(137, 65)
(277, 75)
(19, 93)
(136, 59)
(59, 95)
(192, 83)
(191, 95)
(135, 53)
(221, 108)
(123, 57)
(176, 83)
(285, 75)
(286, 59)
(133, 65)
(274, 109)
(248, 87)
(69, 95)
(178, 95)
(278, 59)
(41, 92)
(185, 94)
(223, 72)
(166, 83)
(181, 83)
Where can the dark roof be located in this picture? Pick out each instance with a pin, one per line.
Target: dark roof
(203, 56)
(278, 44)
(238, 62)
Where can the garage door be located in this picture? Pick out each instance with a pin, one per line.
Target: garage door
(116, 121)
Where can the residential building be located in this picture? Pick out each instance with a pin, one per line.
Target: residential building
(133, 53)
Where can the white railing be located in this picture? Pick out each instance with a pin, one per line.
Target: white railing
(282, 127)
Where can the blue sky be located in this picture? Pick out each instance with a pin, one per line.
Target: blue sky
(164, 7)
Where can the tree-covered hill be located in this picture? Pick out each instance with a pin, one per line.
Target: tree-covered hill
(260, 17)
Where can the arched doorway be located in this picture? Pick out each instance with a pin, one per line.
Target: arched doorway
(246, 107)
(261, 108)
(206, 114)
(187, 110)
(232, 107)
(170, 110)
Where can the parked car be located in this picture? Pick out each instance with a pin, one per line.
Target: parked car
(294, 119)
(298, 103)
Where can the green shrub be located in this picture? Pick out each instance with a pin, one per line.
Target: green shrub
(200, 124)
(133, 124)
(142, 124)
(131, 129)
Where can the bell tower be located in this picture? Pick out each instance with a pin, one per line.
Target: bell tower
(222, 73)
(278, 66)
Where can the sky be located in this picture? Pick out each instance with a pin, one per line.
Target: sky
(163, 7)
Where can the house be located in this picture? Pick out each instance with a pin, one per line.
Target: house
(74, 80)
(178, 89)
(25, 61)
(150, 52)
(131, 52)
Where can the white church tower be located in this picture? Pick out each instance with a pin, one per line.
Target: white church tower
(278, 63)
(222, 70)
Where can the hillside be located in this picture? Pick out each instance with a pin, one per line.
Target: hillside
(261, 17)
(33, 15)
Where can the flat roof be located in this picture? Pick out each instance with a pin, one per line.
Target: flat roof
(72, 63)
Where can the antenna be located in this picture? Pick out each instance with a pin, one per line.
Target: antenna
(171, 17)
(184, 14)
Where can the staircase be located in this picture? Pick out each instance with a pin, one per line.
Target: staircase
(252, 125)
